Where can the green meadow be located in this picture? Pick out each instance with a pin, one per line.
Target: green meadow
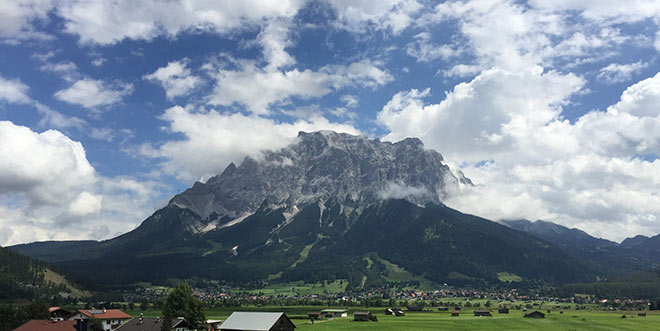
(435, 320)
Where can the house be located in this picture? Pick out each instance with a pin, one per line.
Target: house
(535, 314)
(482, 313)
(257, 321)
(57, 313)
(316, 315)
(455, 312)
(110, 319)
(47, 325)
(503, 310)
(153, 324)
(333, 313)
(362, 316)
(210, 325)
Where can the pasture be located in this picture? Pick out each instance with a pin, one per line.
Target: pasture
(437, 320)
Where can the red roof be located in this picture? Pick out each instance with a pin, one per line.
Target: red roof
(47, 325)
(105, 314)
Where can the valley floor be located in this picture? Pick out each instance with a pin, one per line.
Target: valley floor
(435, 320)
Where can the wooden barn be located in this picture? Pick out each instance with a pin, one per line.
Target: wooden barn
(255, 321)
(362, 316)
(315, 315)
(482, 313)
(335, 313)
(535, 314)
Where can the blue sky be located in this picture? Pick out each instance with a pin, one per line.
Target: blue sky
(107, 109)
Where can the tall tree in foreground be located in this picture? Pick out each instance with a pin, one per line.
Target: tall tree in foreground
(181, 303)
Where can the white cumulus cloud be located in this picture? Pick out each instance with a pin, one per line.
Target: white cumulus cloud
(13, 91)
(212, 140)
(50, 191)
(176, 78)
(92, 93)
(600, 173)
(617, 73)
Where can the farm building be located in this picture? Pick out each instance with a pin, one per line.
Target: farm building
(443, 309)
(643, 313)
(331, 313)
(47, 325)
(415, 308)
(210, 325)
(254, 321)
(455, 312)
(315, 315)
(59, 314)
(503, 310)
(482, 313)
(362, 316)
(153, 324)
(110, 319)
(535, 314)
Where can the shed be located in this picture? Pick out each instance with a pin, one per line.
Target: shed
(335, 312)
(315, 315)
(482, 313)
(361, 316)
(257, 321)
(415, 308)
(455, 312)
(210, 325)
(643, 313)
(535, 314)
(503, 310)
(443, 309)
(58, 313)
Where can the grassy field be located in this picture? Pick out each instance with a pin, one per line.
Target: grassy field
(570, 320)
(581, 320)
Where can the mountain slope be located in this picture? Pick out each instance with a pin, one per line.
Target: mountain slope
(327, 206)
(24, 277)
(606, 256)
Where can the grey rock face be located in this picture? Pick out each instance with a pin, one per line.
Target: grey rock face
(318, 166)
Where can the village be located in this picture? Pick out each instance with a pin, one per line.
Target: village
(240, 309)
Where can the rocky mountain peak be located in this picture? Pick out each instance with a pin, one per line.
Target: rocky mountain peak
(323, 165)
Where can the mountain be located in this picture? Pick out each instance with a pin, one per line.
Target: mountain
(27, 278)
(328, 206)
(647, 244)
(608, 257)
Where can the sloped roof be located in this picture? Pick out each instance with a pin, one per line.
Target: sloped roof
(47, 325)
(256, 321)
(105, 314)
(333, 310)
(150, 324)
